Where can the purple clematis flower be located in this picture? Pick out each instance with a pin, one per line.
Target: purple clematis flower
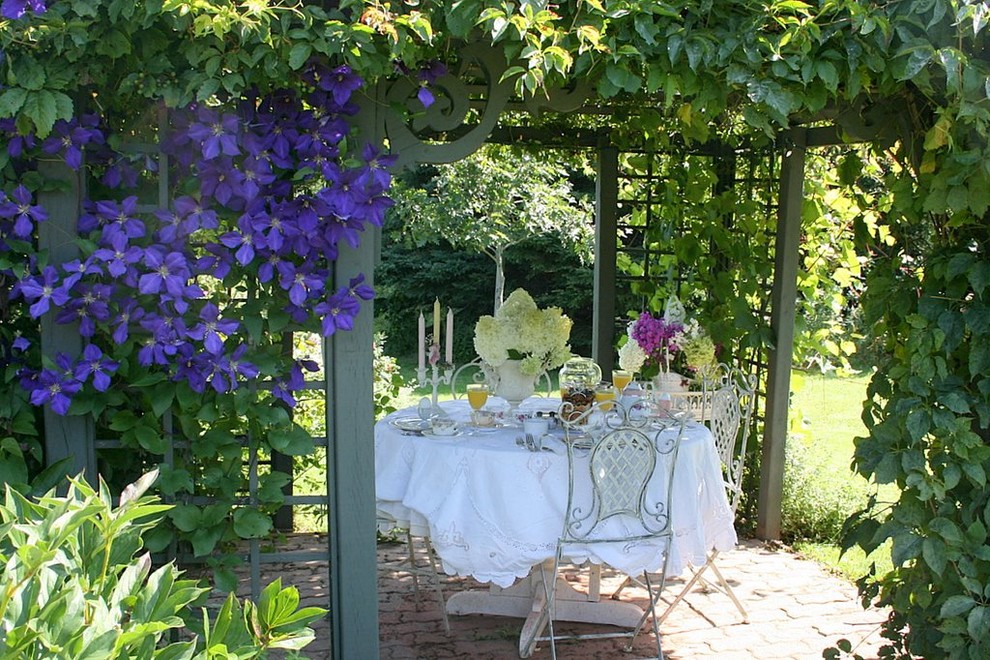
(44, 290)
(217, 133)
(20, 210)
(197, 216)
(119, 257)
(284, 388)
(343, 82)
(128, 313)
(372, 207)
(192, 366)
(76, 269)
(121, 174)
(356, 288)
(56, 386)
(69, 138)
(93, 363)
(210, 328)
(302, 282)
(87, 308)
(376, 169)
(14, 9)
(119, 219)
(17, 144)
(244, 242)
(168, 271)
(338, 312)
(220, 179)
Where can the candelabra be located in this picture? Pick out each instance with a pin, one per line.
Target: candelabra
(441, 372)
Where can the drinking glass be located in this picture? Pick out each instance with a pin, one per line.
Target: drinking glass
(620, 379)
(605, 393)
(477, 395)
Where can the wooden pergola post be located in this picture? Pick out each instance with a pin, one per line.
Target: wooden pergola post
(782, 315)
(606, 237)
(66, 436)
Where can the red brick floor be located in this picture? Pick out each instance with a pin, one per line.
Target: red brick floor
(796, 609)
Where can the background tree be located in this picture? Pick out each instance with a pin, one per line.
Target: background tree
(493, 200)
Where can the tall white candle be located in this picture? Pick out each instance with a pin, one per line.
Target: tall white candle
(436, 322)
(422, 341)
(450, 336)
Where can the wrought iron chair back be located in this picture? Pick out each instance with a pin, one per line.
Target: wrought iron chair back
(731, 395)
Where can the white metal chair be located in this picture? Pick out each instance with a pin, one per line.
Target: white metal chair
(729, 396)
(626, 455)
(408, 565)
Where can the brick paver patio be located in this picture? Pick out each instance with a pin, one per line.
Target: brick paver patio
(796, 609)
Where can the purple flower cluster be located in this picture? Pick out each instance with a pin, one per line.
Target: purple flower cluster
(275, 200)
(656, 337)
(57, 384)
(14, 9)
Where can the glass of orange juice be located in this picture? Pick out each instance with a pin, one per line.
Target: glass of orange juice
(606, 394)
(477, 395)
(620, 379)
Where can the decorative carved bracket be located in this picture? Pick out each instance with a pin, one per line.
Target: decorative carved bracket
(436, 134)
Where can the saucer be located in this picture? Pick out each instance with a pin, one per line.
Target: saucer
(414, 424)
(429, 433)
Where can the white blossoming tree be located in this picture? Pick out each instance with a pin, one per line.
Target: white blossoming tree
(493, 200)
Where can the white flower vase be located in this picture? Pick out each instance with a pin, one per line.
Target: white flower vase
(669, 381)
(513, 385)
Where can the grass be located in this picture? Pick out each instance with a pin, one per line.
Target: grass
(826, 417)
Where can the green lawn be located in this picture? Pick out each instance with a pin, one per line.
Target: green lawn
(825, 417)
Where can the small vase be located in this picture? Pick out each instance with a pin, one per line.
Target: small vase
(513, 385)
(669, 381)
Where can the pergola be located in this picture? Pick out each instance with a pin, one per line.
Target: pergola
(470, 112)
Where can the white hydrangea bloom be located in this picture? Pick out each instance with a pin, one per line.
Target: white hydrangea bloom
(521, 330)
(631, 356)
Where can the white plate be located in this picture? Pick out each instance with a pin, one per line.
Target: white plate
(411, 424)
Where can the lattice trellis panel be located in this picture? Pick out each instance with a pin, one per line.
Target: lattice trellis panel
(677, 208)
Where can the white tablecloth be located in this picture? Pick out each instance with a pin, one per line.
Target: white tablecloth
(493, 509)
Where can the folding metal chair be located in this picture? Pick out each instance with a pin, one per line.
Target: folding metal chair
(408, 565)
(622, 455)
(729, 396)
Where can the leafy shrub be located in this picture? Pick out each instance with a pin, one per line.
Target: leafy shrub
(76, 585)
(815, 504)
(388, 379)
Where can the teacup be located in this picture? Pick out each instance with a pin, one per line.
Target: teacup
(483, 417)
(443, 426)
(536, 426)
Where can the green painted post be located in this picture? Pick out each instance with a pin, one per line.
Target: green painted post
(65, 436)
(351, 471)
(606, 238)
(783, 311)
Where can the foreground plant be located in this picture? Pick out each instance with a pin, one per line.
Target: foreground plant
(76, 584)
